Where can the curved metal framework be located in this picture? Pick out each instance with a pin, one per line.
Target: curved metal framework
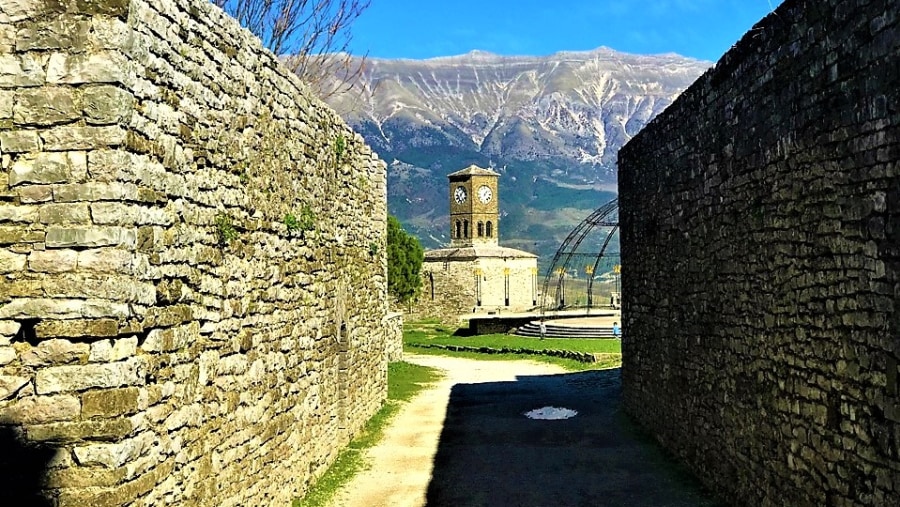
(594, 245)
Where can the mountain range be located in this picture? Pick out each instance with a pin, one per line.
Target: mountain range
(550, 125)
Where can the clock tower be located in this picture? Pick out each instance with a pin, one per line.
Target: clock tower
(474, 211)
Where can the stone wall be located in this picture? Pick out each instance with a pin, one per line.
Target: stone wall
(191, 301)
(393, 336)
(760, 219)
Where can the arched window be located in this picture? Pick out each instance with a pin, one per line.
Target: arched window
(480, 229)
(458, 229)
(465, 228)
(490, 230)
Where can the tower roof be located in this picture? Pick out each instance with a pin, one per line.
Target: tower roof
(473, 170)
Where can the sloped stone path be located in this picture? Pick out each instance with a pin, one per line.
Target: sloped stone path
(465, 441)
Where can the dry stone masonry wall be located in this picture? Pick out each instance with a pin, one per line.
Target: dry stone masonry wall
(760, 219)
(192, 298)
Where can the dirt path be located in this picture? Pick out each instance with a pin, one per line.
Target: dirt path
(402, 461)
(465, 442)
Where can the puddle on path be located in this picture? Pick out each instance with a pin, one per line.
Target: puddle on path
(551, 413)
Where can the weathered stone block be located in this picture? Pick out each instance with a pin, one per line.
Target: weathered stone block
(65, 32)
(88, 286)
(82, 138)
(11, 262)
(106, 104)
(109, 403)
(52, 261)
(113, 497)
(18, 141)
(46, 106)
(113, 350)
(112, 33)
(64, 237)
(11, 384)
(7, 38)
(9, 328)
(55, 352)
(92, 328)
(170, 339)
(7, 98)
(20, 71)
(57, 167)
(83, 477)
(34, 193)
(41, 409)
(18, 10)
(78, 68)
(97, 429)
(117, 8)
(106, 260)
(112, 191)
(78, 378)
(64, 213)
(167, 316)
(110, 213)
(29, 308)
(7, 355)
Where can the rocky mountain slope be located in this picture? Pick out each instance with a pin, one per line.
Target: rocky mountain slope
(550, 125)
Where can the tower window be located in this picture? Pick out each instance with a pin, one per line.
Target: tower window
(480, 229)
(490, 230)
(465, 228)
(458, 229)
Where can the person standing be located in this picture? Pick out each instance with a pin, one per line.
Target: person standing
(617, 331)
(543, 329)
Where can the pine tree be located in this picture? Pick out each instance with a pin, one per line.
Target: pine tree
(405, 256)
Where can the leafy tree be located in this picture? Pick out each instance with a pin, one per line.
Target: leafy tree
(405, 256)
(311, 36)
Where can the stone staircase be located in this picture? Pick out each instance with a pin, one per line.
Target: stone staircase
(557, 330)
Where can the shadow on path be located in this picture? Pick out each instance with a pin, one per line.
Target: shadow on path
(23, 469)
(490, 454)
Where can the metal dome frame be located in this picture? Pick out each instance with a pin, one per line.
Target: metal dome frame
(606, 216)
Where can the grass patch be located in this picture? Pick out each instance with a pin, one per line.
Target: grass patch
(419, 337)
(405, 380)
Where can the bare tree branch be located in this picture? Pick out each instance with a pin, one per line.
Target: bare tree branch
(312, 37)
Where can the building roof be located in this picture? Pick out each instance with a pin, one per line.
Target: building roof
(474, 252)
(473, 170)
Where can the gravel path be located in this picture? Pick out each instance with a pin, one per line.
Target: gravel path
(465, 442)
(402, 460)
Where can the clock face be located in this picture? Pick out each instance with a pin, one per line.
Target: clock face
(459, 195)
(484, 194)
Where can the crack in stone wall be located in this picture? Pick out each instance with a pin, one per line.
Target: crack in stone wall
(178, 215)
(760, 220)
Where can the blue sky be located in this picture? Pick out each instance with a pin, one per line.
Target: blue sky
(702, 29)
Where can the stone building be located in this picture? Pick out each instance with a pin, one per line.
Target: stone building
(476, 274)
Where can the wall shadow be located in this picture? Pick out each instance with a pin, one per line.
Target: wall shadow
(490, 454)
(23, 470)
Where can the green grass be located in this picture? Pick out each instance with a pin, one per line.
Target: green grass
(419, 337)
(405, 380)
(589, 345)
(566, 364)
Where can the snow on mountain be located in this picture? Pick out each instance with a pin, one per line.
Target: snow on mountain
(571, 106)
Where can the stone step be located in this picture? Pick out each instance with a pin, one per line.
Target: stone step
(556, 331)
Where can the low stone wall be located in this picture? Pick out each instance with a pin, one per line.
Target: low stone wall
(583, 357)
(192, 301)
(760, 222)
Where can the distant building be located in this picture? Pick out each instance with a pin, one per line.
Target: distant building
(476, 274)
